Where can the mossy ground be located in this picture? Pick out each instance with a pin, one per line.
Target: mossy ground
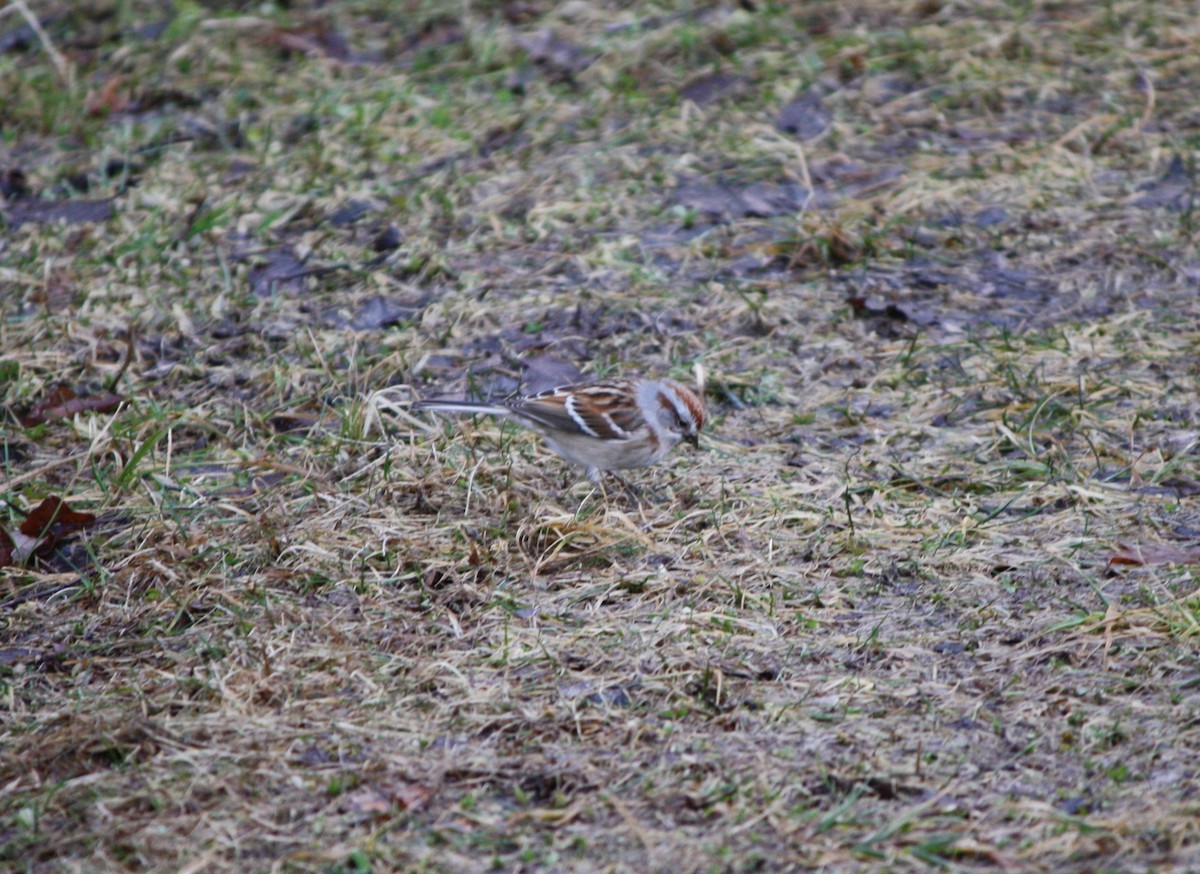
(939, 264)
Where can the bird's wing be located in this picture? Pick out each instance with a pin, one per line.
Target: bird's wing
(601, 410)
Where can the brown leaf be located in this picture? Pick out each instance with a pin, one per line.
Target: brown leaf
(63, 403)
(411, 796)
(41, 530)
(368, 800)
(58, 290)
(1139, 554)
(109, 100)
(58, 394)
(8, 549)
(316, 40)
(379, 801)
(53, 518)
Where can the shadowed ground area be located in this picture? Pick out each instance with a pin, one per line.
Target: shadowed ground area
(926, 599)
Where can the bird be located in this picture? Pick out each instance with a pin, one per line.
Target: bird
(602, 426)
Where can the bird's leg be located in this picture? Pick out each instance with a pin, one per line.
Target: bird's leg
(597, 477)
(631, 491)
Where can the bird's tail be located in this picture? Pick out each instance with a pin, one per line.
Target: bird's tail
(476, 407)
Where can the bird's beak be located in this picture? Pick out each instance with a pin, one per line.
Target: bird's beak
(694, 439)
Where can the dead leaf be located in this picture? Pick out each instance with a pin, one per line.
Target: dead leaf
(820, 246)
(353, 210)
(282, 272)
(727, 201)
(712, 87)
(71, 212)
(109, 100)
(876, 307)
(63, 403)
(379, 801)
(368, 800)
(1176, 189)
(239, 169)
(158, 98)
(13, 183)
(411, 796)
(544, 372)
(989, 216)
(388, 239)
(8, 549)
(54, 519)
(436, 33)
(17, 654)
(317, 40)
(1140, 555)
(40, 532)
(378, 312)
(285, 423)
(59, 394)
(1181, 486)
(58, 290)
(805, 117)
(555, 54)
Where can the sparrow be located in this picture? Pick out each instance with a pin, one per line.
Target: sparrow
(602, 426)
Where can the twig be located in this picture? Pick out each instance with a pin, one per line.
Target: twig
(10, 484)
(65, 71)
(131, 330)
(39, 593)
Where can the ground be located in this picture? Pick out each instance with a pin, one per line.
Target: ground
(925, 599)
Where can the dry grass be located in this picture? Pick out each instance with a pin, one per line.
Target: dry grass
(952, 353)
